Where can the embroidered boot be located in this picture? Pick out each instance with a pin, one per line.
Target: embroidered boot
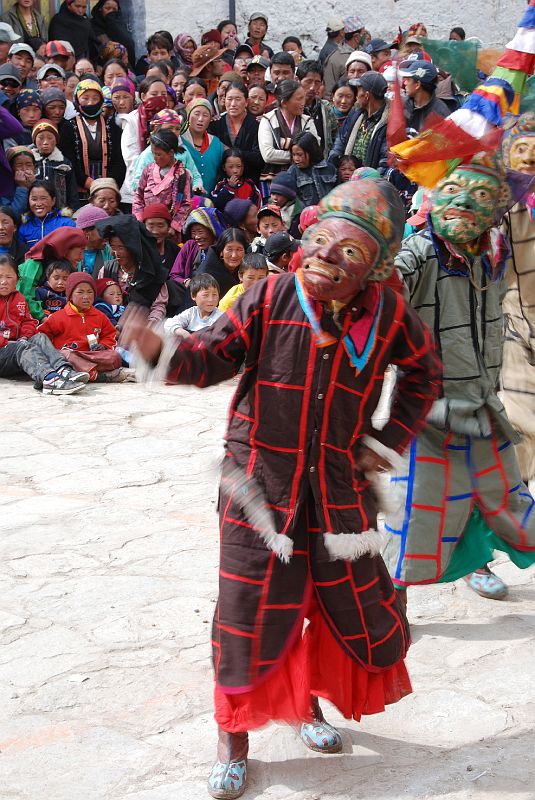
(318, 735)
(229, 774)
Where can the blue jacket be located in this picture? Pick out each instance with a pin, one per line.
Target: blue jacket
(107, 309)
(35, 229)
(50, 300)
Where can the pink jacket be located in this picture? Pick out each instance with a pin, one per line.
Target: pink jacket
(173, 190)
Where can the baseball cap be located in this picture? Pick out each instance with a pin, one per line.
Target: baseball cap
(413, 40)
(334, 24)
(7, 34)
(372, 82)
(244, 48)
(271, 209)
(258, 15)
(376, 45)
(279, 243)
(258, 61)
(50, 68)
(9, 72)
(57, 48)
(421, 71)
(20, 47)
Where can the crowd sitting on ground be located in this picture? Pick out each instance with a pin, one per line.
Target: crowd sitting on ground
(176, 179)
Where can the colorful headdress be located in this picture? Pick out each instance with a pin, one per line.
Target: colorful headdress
(166, 117)
(477, 126)
(370, 202)
(207, 217)
(85, 86)
(111, 50)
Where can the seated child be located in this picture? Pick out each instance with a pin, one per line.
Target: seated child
(283, 193)
(110, 299)
(269, 221)
(165, 181)
(278, 250)
(52, 166)
(253, 268)
(22, 350)
(234, 184)
(84, 334)
(44, 215)
(52, 294)
(204, 290)
(346, 167)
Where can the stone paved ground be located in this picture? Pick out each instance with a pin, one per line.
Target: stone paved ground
(108, 582)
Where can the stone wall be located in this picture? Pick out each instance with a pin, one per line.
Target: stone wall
(493, 21)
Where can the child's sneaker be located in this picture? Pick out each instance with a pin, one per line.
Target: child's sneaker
(58, 384)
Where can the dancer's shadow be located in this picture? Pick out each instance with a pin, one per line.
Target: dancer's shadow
(504, 628)
(386, 767)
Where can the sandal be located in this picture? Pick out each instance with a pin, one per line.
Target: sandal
(487, 584)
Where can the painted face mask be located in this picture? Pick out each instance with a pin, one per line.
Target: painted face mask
(464, 204)
(338, 257)
(519, 144)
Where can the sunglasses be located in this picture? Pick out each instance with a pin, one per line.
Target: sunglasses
(10, 84)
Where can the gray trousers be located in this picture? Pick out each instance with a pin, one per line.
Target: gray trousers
(35, 357)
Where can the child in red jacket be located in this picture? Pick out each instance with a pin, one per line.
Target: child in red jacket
(83, 333)
(22, 350)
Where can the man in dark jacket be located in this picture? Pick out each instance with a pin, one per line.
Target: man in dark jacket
(363, 134)
(421, 80)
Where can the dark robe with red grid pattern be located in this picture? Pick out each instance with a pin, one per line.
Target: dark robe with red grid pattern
(296, 426)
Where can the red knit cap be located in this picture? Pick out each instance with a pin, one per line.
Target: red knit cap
(105, 283)
(74, 279)
(156, 211)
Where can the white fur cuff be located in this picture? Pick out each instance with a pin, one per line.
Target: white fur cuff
(145, 372)
(352, 546)
(385, 452)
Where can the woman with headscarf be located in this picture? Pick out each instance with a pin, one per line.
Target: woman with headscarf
(138, 265)
(90, 142)
(168, 120)
(206, 150)
(108, 23)
(71, 24)
(165, 181)
(184, 47)
(136, 130)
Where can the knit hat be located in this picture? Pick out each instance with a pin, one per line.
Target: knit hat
(156, 211)
(104, 183)
(199, 102)
(52, 95)
(104, 283)
(88, 215)
(212, 35)
(236, 210)
(209, 218)
(123, 85)
(74, 279)
(28, 97)
(19, 150)
(360, 55)
(374, 205)
(284, 183)
(44, 125)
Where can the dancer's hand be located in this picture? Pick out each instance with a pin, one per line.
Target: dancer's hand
(370, 461)
(135, 331)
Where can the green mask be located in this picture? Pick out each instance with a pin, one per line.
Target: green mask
(464, 205)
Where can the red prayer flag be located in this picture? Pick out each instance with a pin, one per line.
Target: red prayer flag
(396, 129)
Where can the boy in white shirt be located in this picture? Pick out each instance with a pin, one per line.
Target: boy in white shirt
(204, 290)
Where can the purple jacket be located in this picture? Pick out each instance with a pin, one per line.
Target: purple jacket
(9, 126)
(183, 266)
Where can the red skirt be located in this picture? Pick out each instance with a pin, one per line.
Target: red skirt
(316, 664)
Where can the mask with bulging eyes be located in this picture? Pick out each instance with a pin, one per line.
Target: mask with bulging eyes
(464, 205)
(338, 257)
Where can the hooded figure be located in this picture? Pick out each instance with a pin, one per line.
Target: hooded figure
(112, 26)
(149, 273)
(74, 28)
(298, 514)
(518, 371)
